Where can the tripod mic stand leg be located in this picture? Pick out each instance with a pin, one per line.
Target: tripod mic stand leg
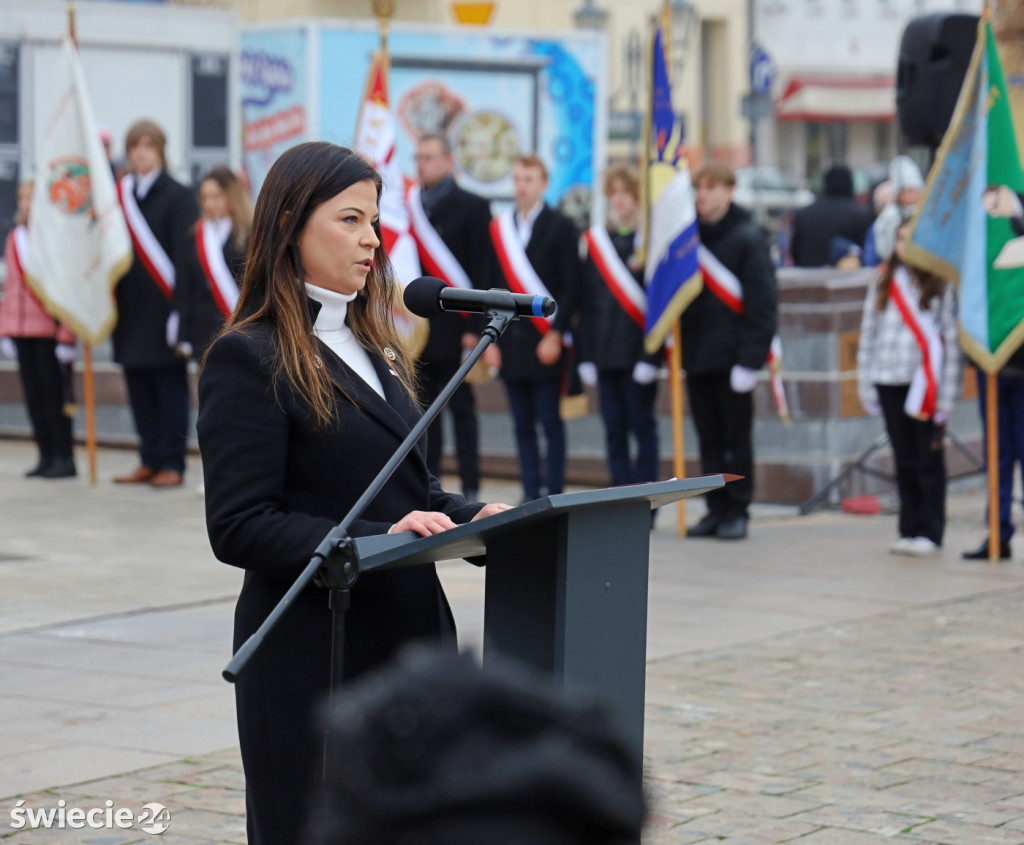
(340, 598)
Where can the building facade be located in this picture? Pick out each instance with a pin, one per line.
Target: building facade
(834, 86)
(709, 54)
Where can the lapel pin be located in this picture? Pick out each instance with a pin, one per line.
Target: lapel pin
(389, 353)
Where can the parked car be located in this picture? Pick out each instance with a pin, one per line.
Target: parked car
(769, 194)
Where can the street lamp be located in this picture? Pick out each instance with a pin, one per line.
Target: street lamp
(634, 82)
(589, 16)
(684, 17)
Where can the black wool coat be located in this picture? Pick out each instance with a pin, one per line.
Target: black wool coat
(816, 224)
(714, 336)
(461, 219)
(553, 251)
(200, 317)
(608, 336)
(276, 483)
(140, 336)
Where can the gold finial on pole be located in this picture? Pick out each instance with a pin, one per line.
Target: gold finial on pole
(72, 32)
(385, 11)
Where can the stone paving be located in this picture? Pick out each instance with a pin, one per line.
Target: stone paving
(803, 686)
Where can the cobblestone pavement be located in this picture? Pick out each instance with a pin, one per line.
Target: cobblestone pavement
(804, 686)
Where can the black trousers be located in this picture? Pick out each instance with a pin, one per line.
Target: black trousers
(533, 402)
(43, 385)
(627, 408)
(159, 400)
(724, 421)
(917, 448)
(434, 375)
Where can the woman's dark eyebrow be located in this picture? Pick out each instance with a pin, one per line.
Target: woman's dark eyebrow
(357, 211)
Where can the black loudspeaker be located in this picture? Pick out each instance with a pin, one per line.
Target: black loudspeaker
(934, 54)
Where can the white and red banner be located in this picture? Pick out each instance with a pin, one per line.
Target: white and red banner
(219, 277)
(722, 282)
(79, 245)
(434, 254)
(375, 139)
(515, 266)
(628, 292)
(923, 395)
(148, 249)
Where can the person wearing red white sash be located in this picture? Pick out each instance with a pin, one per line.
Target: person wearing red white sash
(724, 347)
(613, 305)
(449, 225)
(44, 350)
(212, 267)
(159, 212)
(908, 371)
(537, 253)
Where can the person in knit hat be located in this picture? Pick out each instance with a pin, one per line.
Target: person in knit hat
(905, 186)
(834, 214)
(435, 750)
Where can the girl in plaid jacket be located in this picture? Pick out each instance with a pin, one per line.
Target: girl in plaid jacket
(909, 369)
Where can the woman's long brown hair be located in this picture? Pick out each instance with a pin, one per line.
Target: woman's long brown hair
(929, 284)
(239, 206)
(302, 179)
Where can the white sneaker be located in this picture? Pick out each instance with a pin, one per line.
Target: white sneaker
(902, 546)
(922, 547)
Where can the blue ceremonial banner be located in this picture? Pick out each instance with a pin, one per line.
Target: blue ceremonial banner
(964, 229)
(672, 274)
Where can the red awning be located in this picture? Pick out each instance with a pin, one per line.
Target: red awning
(824, 97)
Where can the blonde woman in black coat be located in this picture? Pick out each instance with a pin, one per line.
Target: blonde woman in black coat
(302, 399)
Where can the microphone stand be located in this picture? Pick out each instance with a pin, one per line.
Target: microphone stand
(335, 564)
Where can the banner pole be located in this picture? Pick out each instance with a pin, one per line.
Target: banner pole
(675, 374)
(992, 461)
(89, 393)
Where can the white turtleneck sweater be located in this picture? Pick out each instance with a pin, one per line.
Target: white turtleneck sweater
(331, 328)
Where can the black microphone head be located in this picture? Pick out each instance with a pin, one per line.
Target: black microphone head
(549, 306)
(422, 296)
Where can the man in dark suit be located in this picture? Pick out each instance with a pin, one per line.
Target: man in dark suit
(159, 212)
(537, 252)
(450, 228)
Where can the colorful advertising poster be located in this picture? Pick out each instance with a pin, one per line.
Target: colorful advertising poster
(493, 96)
(274, 91)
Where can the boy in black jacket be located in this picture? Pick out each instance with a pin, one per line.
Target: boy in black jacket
(725, 343)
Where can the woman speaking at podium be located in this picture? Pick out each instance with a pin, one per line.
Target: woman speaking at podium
(303, 398)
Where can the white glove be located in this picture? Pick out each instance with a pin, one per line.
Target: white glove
(742, 379)
(173, 325)
(940, 418)
(873, 408)
(8, 349)
(183, 349)
(66, 353)
(644, 373)
(588, 373)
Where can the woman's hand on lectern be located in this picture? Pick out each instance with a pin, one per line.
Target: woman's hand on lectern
(491, 510)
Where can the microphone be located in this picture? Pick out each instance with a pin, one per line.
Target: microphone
(427, 296)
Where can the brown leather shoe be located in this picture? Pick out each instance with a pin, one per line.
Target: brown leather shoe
(167, 478)
(139, 476)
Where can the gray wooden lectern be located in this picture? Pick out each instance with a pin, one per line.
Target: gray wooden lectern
(566, 584)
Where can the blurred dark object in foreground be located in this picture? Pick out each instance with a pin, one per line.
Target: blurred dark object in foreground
(434, 750)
